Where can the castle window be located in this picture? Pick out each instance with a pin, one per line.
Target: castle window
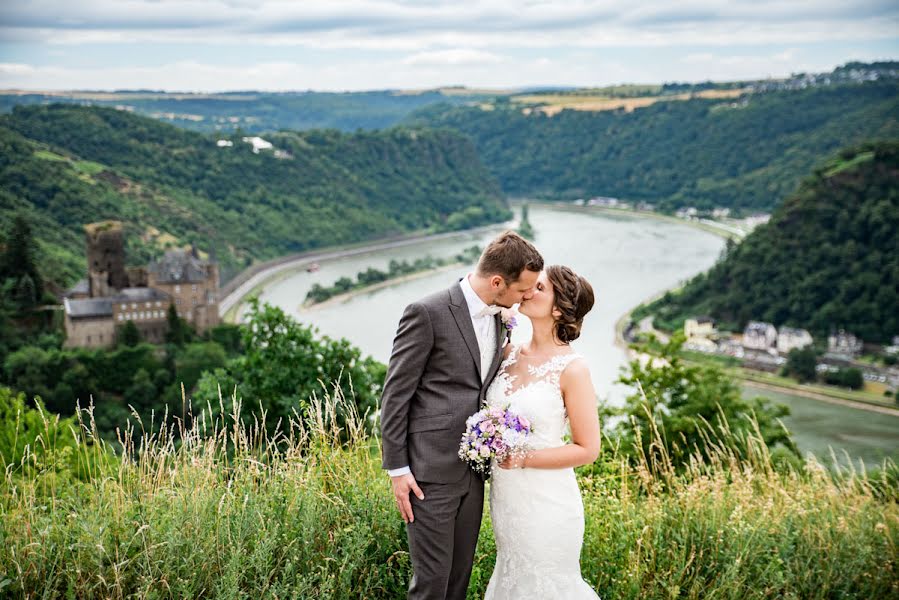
(178, 301)
(177, 289)
(193, 288)
(133, 305)
(194, 301)
(158, 304)
(88, 339)
(120, 317)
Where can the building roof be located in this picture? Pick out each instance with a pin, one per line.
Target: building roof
(792, 331)
(88, 307)
(102, 307)
(179, 266)
(758, 326)
(139, 294)
(82, 287)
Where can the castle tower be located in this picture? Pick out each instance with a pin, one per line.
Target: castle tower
(105, 258)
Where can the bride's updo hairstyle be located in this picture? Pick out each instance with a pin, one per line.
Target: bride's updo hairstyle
(573, 298)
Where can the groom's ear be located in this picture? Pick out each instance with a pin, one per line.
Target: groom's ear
(496, 282)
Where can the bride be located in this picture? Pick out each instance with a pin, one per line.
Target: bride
(535, 503)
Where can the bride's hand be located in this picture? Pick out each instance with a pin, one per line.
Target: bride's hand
(514, 461)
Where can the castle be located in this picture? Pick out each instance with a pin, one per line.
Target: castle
(112, 294)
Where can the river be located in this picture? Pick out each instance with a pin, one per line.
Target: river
(626, 258)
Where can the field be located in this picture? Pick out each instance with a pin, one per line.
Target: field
(552, 104)
(222, 508)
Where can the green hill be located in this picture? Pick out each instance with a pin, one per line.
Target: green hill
(66, 165)
(743, 153)
(257, 111)
(828, 258)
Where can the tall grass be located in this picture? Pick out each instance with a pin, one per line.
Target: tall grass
(212, 506)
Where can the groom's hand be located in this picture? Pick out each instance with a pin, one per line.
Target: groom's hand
(402, 486)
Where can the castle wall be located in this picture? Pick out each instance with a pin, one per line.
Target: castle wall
(89, 332)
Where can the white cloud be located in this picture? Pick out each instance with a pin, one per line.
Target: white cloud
(377, 44)
(422, 26)
(455, 56)
(16, 69)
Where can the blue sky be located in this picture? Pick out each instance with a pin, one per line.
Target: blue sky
(206, 45)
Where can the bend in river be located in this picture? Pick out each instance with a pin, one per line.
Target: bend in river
(626, 258)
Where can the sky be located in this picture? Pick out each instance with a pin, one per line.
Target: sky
(348, 45)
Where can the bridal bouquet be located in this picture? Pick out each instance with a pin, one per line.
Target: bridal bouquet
(493, 433)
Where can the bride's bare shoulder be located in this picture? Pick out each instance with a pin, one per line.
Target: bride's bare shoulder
(576, 368)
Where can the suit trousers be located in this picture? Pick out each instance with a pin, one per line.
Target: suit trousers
(443, 537)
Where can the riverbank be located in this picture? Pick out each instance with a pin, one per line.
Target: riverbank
(230, 305)
(341, 298)
(718, 228)
(749, 377)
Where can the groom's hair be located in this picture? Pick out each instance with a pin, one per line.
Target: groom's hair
(507, 256)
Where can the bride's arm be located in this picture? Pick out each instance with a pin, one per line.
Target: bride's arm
(580, 402)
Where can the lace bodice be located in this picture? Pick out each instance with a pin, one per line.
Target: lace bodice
(531, 388)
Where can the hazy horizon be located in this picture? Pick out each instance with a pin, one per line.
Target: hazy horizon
(212, 46)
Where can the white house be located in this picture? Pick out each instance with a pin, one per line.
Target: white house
(893, 348)
(759, 335)
(789, 338)
(258, 143)
(700, 327)
(844, 344)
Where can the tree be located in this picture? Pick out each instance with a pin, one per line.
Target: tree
(687, 405)
(129, 334)
(801, 363)
(179, 332)
(525, 228)
(142, 393)
(18, 262)
(197, 358)
(285, 363)
(853, 378)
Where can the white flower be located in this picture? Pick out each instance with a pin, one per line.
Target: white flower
(508, 316)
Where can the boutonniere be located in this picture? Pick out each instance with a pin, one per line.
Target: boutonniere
(509, 321)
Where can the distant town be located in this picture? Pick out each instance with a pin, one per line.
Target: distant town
(763, 347)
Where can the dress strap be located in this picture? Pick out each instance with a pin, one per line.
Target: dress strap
(511, 358)
(553, 368)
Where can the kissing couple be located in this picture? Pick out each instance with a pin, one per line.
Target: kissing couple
(450, 359)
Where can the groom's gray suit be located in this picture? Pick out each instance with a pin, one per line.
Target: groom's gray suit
(434, 383)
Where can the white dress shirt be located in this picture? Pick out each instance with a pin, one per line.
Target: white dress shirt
(485, 331)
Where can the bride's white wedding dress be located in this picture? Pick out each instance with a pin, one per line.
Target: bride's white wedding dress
(537, 514)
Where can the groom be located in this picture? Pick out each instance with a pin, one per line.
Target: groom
(446, 352)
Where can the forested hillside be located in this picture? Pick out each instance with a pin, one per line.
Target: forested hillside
(66, 165)
(744, 153)
(828, 258)
(257, 111)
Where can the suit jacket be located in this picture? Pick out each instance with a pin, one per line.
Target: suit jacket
(433, 385)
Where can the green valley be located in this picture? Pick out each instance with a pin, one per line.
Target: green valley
(240, 198)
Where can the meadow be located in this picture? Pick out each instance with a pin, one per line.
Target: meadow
(219, 505)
